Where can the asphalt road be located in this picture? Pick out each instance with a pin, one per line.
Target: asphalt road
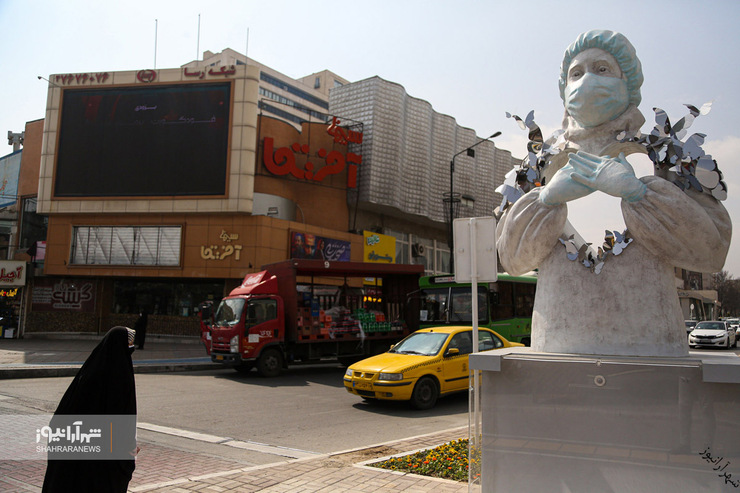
(306, 409)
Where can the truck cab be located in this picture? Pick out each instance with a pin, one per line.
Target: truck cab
(249, 325)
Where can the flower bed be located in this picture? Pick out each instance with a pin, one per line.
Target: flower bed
(449, 461)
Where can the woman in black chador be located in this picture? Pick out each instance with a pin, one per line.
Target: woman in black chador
(140, 328)
(103, 386)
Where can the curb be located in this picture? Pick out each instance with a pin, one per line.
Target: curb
(70, 371)
(89, 336)
(36, 372)
(172, 367)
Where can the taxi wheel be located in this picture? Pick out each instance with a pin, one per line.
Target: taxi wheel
(270, 363)
(425, 394)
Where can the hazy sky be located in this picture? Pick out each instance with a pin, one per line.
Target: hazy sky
(473, 60)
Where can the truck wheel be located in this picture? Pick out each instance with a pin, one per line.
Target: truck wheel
(270, 363)
(425, 394)
(526, 341)
(244, 368)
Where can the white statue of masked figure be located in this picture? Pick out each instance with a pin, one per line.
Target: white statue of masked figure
(631, 307)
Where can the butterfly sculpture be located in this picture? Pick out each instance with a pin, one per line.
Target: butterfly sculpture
(676, 157)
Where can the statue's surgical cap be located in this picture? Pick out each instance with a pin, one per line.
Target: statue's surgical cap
(615, 44)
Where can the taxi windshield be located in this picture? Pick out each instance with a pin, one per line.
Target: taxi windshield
(423, 343)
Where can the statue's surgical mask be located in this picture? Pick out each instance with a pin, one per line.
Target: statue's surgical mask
(596, 92)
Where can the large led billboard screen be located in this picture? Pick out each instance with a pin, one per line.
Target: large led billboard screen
(144, 141)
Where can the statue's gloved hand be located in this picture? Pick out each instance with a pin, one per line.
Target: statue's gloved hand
(562, 188)
(609, 175)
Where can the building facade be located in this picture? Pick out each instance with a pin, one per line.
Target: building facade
(291, 100)
(407, 150)
(150, 183)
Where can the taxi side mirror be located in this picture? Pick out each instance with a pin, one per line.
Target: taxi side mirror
(452, 352)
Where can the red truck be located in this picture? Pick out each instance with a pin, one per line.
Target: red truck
(305, 311)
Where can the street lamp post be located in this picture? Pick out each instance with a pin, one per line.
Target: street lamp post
(452, 200)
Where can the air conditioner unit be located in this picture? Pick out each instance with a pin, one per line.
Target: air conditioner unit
(417, 250)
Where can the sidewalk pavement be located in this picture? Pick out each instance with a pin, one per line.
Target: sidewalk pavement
(54, 356)
(163, 469)
(339, 472)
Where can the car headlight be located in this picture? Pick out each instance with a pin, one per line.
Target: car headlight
(234, 344)
(390, 376)
(349, 372)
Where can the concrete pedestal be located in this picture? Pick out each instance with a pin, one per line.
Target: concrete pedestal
(585, 424)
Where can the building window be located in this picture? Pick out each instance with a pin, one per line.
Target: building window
(163, 298)
(317, 83)
(5, 231)
(33, 226)
(126, 245)
(283, 100)
(443, 261)
(424, 254)
(293, 90)
(402, 246)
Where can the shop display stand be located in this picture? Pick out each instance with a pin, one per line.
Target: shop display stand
(547, 422)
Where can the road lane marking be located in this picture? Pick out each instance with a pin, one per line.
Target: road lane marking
(272, 449)
(230, 442)
(202, 437)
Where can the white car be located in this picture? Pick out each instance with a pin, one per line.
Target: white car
(714, 333)
(735, 324)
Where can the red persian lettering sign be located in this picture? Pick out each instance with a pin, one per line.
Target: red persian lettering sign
(342, 135)
(225, 71)
(282, 162)
(12, 273)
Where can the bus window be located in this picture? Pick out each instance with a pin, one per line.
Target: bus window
(524, 299)
(462, 305)
(505, 305)
(434, 305)
(502, 295)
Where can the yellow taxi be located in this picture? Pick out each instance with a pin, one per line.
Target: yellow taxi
(424, 366)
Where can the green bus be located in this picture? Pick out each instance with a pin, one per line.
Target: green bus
(504, 306)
